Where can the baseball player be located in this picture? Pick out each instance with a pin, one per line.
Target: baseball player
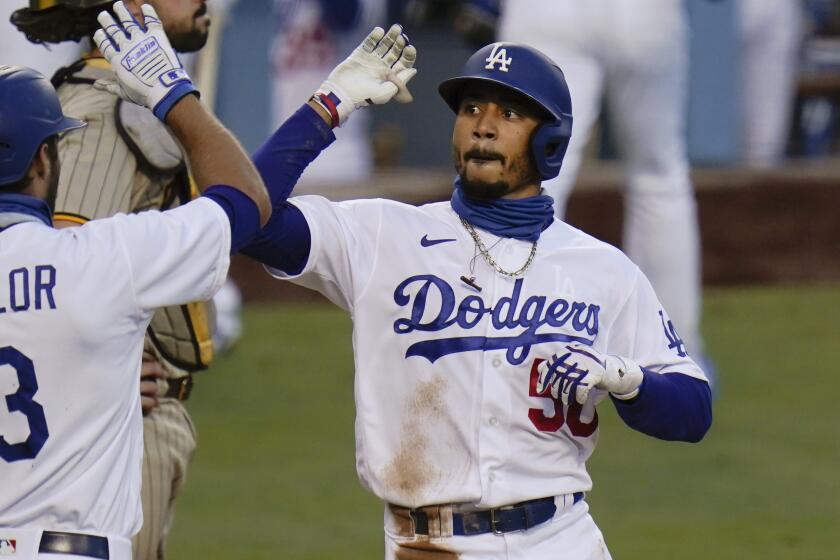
(128, 161)
(637, 54)
(486, 330)
(75, 303)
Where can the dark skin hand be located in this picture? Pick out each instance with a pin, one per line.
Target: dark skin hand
(150, 372)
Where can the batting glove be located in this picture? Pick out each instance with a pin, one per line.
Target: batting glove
(577, 369)
(147, 68)
(374, 73)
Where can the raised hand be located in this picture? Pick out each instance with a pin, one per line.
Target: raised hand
(147, 68)
(374, 73)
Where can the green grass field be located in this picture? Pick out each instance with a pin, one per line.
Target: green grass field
(274, 475)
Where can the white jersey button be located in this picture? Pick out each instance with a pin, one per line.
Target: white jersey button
(496, 362)
(494, 421)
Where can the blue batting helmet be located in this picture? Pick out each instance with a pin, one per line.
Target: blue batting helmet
(532, 74)
(29, 114)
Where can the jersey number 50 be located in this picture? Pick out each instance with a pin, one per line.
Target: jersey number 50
(553, 423)
(21, 401)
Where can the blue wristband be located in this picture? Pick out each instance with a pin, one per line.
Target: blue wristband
(175, 94)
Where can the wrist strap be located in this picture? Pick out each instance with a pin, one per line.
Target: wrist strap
(329, 102)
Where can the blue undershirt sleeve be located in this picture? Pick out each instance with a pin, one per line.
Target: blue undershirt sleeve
(669, 406)
(284, 242)
(293, 146)
(242, 213)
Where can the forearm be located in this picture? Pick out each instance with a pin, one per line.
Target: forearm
(287, 153)
(284, 241)
(670, 406)
(215, 156)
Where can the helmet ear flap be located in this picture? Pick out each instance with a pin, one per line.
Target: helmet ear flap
(549, 146)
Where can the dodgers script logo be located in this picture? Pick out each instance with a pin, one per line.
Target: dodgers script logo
(522, 319)
(498, 56)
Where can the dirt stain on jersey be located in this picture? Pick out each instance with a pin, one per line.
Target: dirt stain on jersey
(410, 471)
(424, 550)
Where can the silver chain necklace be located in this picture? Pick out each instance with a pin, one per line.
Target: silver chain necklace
(489, 259)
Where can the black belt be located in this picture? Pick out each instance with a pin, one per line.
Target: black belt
(55, 542)
(180, 388)
(519, 517)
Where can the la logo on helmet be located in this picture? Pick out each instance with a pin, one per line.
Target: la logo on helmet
(498, 56)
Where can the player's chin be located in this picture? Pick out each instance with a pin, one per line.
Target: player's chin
(191, 41)
(479, 189)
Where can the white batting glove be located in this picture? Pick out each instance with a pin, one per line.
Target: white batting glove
(577, 369)
(374, 73)
(147, 68)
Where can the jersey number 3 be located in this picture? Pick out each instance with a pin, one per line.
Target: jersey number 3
(553, 423)
(22, 401)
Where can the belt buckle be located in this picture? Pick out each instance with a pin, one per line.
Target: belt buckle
(493, 522)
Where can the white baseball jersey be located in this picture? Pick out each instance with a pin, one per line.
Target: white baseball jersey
(74, 307)
(446, 376)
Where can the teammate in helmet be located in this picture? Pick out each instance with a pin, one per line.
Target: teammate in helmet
(75, 304)
(486, 331)
(128, 161)
(29, 133)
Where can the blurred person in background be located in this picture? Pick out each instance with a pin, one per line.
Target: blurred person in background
(312, 36)
(15, 49)
(770, 34)
(816, 112)
(634, 55)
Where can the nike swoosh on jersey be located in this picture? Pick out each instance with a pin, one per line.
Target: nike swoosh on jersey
(426, 242)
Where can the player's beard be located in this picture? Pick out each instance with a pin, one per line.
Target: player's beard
(190, 40)
(521, 170)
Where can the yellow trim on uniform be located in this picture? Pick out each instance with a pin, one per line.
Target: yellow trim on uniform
(201, 329)
(44, 4)
(70, 218)
(198, 310)
(96, 62)
(193, 188)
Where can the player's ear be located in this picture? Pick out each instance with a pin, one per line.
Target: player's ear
(41, 162)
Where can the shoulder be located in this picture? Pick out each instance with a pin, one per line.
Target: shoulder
(358, 206)
(80, 100)
(148, 138)
(563, 236)
(382, 217)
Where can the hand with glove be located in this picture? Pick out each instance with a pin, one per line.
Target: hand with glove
(374, 73)
(147, 68)
(576, 369)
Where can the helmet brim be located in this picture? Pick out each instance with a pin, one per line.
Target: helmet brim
(67, 124)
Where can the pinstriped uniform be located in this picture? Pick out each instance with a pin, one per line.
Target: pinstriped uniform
(105, 172)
